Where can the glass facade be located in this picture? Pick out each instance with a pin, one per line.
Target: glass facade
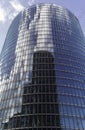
(42, 71)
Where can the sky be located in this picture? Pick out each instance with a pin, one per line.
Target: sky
(10, 8)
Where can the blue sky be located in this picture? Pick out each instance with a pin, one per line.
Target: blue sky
(10, 8)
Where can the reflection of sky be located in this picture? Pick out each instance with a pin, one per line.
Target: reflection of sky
(9, 9)
(25, 45)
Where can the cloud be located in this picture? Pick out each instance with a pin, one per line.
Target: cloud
(30, 2)
(16, 5)
(8, 10)
(12, 15)
(16, 8)
(2, 14)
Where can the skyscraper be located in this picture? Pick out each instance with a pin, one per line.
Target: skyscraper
(42, 71)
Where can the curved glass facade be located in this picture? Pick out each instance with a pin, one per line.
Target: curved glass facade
(42, 71)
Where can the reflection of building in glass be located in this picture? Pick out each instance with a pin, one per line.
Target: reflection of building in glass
(42, 71)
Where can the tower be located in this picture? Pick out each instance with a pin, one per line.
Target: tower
(42, 71)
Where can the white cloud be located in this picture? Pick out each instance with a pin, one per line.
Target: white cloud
(12, 15)
(16, 5)
(30, 2)
(8, 10)
(2, 14)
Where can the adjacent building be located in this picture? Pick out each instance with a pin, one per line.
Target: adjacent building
(42, 71)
